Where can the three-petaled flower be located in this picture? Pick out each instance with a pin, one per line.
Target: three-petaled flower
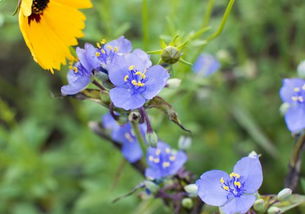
(293, 93)
(163, 161)
(92, 59)
(206, 65)
(234, 193)
(123, 134)
(135, 80)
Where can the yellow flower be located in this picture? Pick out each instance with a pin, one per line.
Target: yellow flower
(50, 27)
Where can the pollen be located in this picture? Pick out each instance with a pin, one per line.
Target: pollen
(140, 74)
(296, 89)
(126, 78)
(172, 158)
(116, 49)
(103, 41)
(238, 184)
(233, 174)
(98, 45)
(225, 187)
(222, 180)
(110, 47)
(103, 51)
(132, 67)
(166, 164)
(97, 54)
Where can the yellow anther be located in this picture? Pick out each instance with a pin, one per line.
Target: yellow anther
(158, 151)
(97, 54)
(294, 98)
(140, 74)
(140, 84)
(233, 174)
(103, 41)
(103, 51)
(116, 49)
(132, 67)
(98, 45)
(157, 160)
(150, 158)
(238, 184)
(75, 69)
(296, 89)
(110, 47)
(225, 187)
(134, 82)
(172, 158)
(166, 164)
(126, 78)
(71, 67)
(222, 180)
(167, 150)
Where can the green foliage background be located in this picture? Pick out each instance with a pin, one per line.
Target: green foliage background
(50, 162)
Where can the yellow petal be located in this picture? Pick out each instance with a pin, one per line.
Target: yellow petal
(50, 38)
(26, 7)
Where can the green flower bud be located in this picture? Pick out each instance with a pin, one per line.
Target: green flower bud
(191, 189)
(152, 139)
(274, 210)
(187, 203)
(170, 55)
(151, 186)
(184, 142)
(174, 83)
(259, 205)
(284, 108)
(284, 194)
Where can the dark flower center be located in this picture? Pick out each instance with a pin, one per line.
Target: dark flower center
(38, 7)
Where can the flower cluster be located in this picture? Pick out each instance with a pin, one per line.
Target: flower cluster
(234, 192)
(131, 73)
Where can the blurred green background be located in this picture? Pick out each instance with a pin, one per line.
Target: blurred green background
(50, 162)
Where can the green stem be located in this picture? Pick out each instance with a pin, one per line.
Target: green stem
(223, 21)
(145, 24)
(208, 13)
(139, 136)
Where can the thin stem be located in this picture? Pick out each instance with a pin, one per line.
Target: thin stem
(146, 119)
(96, 83)
(293, 176)
(137, 132)
(145, 24)
(223, 21)
(208, 13)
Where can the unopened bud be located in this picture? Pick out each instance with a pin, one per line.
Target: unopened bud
(253, 154)
(191, 189)
(274, 210)
(173, 83)
(187, 203)
(284, 108)
(259, 205)
(170, 55)
(151, 186)
(284, 194)
(184, 142)
(134, 116)
(301, 69)
(152, 139)
(224, 57)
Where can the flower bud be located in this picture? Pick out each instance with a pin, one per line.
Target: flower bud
(284, 108)
(134, 116)
(259, 205)
(284, 194)
(151, 186)
(224, 57)
(253, 154)
(173, 83)
(184, 142)
(274, 210)
(170, 55)
(152, 139)
(301, 69)
(191, 189)
(187, 203)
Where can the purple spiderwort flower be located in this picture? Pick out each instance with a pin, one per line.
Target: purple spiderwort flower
(293, 93)
(234, 193)
(92, 59)
(123, 134)
(163, 161)
(206, 65)
(108, 51)
(135, 80)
